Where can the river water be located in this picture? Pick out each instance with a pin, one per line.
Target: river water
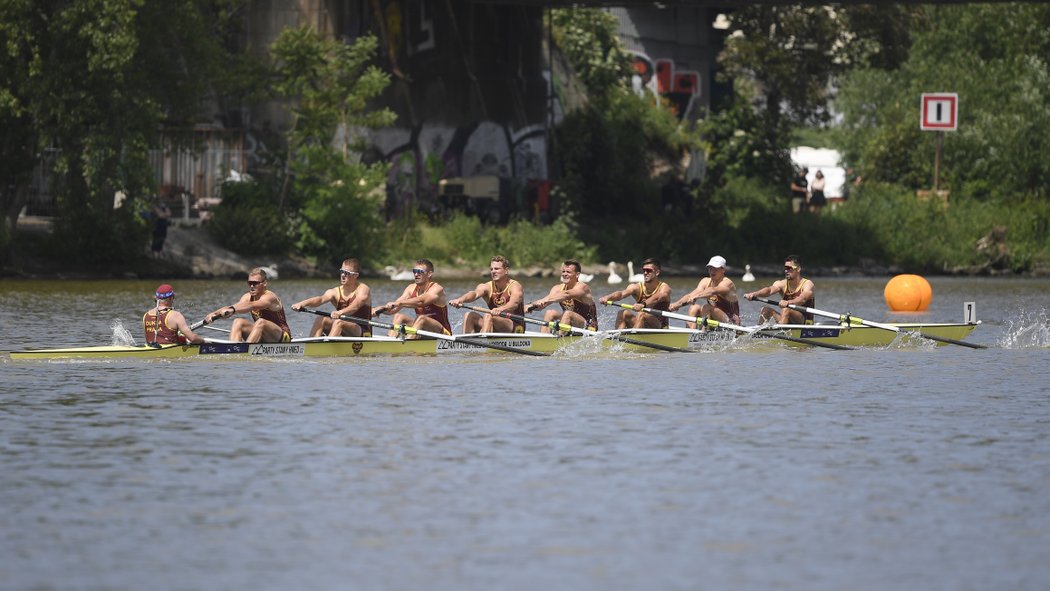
(910, 467)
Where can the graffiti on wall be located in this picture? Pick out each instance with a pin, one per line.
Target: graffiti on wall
(680, 87)
(423, 156)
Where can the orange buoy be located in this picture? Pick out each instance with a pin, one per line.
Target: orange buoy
(908, 293)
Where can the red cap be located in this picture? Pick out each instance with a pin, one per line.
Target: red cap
(165, 291)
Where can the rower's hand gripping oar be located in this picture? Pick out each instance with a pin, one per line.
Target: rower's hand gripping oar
(404, 328)
(554, 325)
(733, 327)
(850, 320)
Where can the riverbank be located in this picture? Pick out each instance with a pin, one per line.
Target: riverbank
(191, 252)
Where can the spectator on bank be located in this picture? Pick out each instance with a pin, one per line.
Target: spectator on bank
(799, 190)
(161, 218)
(817, 201)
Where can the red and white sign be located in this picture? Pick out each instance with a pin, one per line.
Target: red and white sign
(940, 111)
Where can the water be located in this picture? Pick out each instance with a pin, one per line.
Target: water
(907, 468)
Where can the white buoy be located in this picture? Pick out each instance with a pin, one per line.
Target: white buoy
(613, 277)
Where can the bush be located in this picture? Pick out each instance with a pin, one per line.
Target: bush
(249, 222)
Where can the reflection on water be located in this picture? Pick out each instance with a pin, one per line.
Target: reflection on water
(907, 468)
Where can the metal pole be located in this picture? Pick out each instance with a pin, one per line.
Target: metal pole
(937, 162)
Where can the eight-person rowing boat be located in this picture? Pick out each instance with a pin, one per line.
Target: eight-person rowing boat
(642, 326)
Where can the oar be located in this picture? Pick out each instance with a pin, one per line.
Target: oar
(854, 320)
(197, 325)
(735, 327)
(555, 325)
(403, 328)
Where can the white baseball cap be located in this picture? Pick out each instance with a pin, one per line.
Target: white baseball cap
(717, 261)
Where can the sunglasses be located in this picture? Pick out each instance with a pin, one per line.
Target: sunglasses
(647, 271)
(344, 273)
(254, 283)
(418, 271)
(787, 268)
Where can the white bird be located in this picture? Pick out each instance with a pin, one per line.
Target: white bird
(396, 275)
(633, 277)
(748, 277)
(613, 277)
(586, 277)
(271, 271)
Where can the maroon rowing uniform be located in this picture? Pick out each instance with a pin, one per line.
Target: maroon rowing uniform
(731, 309)
(364, 312)
(439, 313)
(157, 329)
(588, 311)
(643, 295)
(790, 295)
(274, 317)
(498, 298)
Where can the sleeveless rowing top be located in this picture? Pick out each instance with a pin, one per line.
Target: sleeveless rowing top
(588, 311)
(642, 295)
(498, 298)
(810, 303)
(364, 312)
(439, 313)
(277, 318)
(157, 330)
(731, 309)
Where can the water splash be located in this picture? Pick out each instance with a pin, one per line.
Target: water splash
(1026, 330)
(121, 335)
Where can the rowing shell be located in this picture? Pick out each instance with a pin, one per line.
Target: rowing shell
(358, 346)
(312, 347)
(849, 336)
(551, 343)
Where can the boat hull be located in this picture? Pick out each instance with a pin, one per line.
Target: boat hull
(551, 343)
(847, 336)
(348, 347)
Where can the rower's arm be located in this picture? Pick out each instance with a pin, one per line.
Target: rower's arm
(470, 296)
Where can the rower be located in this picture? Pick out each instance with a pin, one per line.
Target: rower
(718, 294)
(794, 289)
(502, 294)
(649, 293)
(574, 297)
(268, 324)
(350, 298)
(426, 297)
(163, 324)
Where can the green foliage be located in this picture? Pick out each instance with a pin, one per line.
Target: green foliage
(608, 154)
(249, 222)
(997, 57)
(339, 218)
(77, 232)
(331, 84)
(588, 38)
(463, 240)
(95, 80)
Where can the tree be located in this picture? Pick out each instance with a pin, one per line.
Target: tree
(95, 81)
(997, 57)
(330, 84)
